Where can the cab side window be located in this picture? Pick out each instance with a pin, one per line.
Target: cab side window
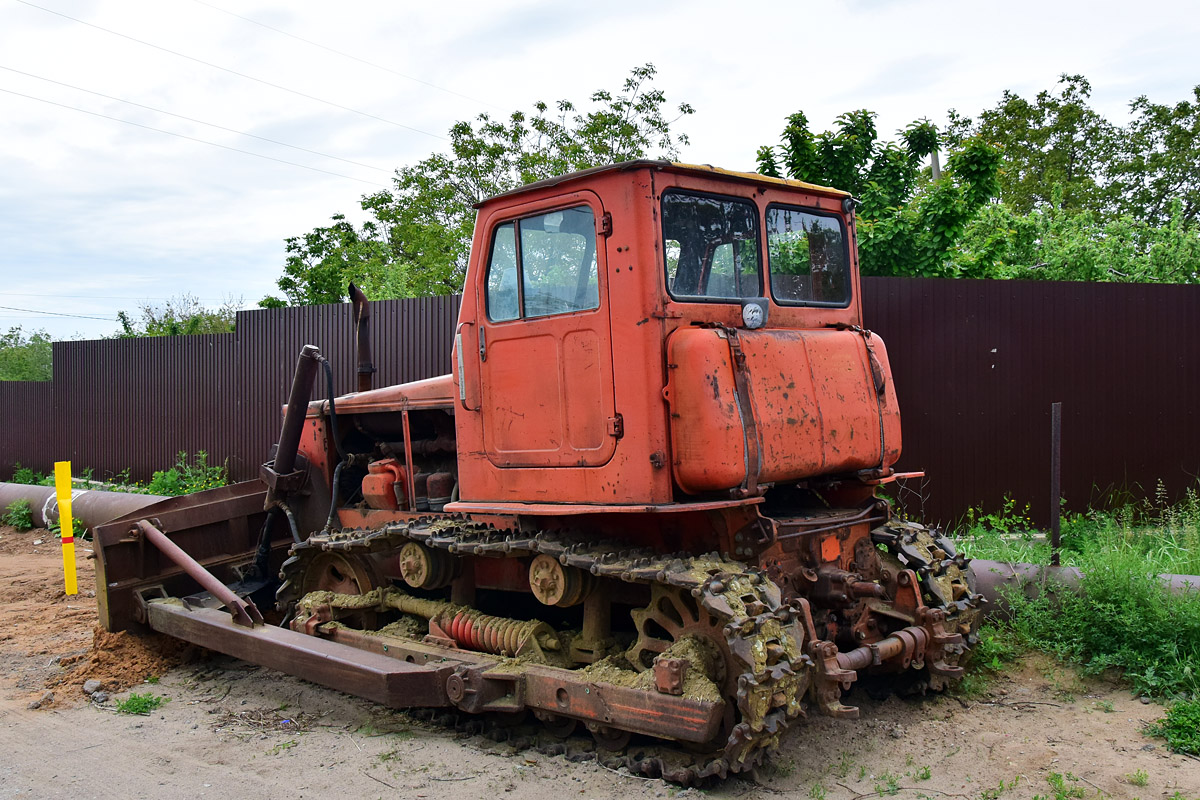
(543, 265)
(807, 257)
(711, 247)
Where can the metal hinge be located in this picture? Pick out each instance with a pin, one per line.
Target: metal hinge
(616, 426)
(606, 224)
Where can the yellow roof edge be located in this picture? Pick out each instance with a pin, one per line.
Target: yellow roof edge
(695, 169)
(756, 177)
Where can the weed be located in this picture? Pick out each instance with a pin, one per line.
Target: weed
(924, 773)
(1104, 705)
(26, 475)
(282, 746)
(817, 791)
(141, 704)
(888, 784)
(185, 477)
(1137, 777)
(997, 647)
(1004, 786)
(1065, 787)
(152, 679)
(1180, 727)
(18, 514)
(845, 763)
(1123, 618)
(862, 772)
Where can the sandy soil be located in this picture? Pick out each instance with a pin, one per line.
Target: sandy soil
(231, 730)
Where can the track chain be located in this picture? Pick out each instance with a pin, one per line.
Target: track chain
(763, 634)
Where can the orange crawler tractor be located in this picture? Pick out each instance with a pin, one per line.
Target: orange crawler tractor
(643, 502)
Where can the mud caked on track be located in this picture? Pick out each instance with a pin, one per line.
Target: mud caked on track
(232, 729)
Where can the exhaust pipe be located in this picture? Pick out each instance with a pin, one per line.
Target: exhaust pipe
(362, 337)
(281, 474)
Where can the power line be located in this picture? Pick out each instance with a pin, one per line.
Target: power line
(346, 55)
(233, 71)
(192, 138)
(192, 119)
(56, 314)
(98, 296)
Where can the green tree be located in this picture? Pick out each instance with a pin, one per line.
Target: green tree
(851, 158)
(1054, 244)
(1159, 161)
(1055, 141)
(417, 237)
(180, 316)
(907, 224)
(25, 356)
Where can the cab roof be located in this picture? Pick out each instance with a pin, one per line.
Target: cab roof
(702, 170)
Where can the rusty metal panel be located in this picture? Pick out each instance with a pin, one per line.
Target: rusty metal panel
(977, 365)
(26, 425)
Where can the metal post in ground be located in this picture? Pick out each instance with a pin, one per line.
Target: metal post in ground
(1055, 478)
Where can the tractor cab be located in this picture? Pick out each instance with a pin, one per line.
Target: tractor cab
(655, 333)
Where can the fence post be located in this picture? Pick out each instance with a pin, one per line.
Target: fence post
(1055, 478)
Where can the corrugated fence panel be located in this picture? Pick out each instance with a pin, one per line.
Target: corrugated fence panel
(26, 425)
(977, 365)
(135, 403)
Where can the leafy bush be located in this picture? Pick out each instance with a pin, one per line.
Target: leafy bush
(19, 515)
(26, 475)
(1180, 727)
(185, 477)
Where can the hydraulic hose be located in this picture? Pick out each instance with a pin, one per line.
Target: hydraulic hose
(333, 425)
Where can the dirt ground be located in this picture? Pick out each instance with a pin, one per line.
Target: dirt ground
(231, 729)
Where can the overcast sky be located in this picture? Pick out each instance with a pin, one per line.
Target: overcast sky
(99, 215)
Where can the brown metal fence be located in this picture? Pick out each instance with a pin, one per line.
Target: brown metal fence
(976, 363)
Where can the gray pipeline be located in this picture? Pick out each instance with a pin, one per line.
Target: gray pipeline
(89, 507)
(997, 579)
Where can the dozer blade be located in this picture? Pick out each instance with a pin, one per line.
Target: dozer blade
(219, 529)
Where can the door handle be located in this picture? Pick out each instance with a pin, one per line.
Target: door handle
(482, 344)
(463, 380)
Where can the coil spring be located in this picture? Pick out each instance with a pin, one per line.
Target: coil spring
(490, 634)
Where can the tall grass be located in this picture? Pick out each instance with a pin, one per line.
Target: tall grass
(1123, 618)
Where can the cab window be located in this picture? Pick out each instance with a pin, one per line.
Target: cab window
(543, 265)
(711, 247)
(807, 257)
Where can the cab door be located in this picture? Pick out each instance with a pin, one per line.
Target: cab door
(544, 338)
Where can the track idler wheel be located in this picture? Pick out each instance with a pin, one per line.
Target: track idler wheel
(556, 584)
(423, 567)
